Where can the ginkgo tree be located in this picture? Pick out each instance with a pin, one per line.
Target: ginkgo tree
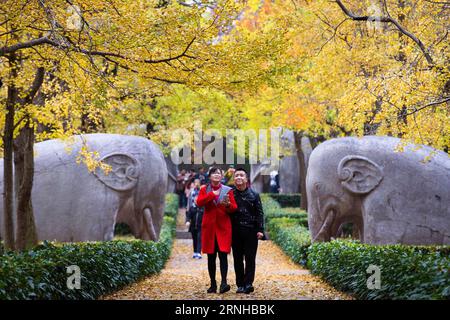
(357, 68)
(340, 68)
(321, 68)
(70, 67)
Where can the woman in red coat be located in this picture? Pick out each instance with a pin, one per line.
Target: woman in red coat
(218, 201)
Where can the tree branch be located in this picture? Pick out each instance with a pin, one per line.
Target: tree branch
(46, 40)
(37, 83)
(434, 103)
(25, 45)
(136, 72)
(388, 20)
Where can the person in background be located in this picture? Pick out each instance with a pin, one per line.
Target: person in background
(248, 228)
(218, 201)
(201, 176)
(274, 182)
(188, 183)
(187, 192)
(223, 180)
(194, 216)
(207, 176)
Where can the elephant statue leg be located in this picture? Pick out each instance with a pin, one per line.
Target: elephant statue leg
(109, 234)
(108, 231)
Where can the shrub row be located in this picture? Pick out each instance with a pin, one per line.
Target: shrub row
(41, 273)
(292, 237)
(406, 272)
(272, 209)
(171, 208)
(286, 200)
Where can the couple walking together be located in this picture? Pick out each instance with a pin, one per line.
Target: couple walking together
(233, 218)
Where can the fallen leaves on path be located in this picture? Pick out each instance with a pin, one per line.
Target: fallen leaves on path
(185, 278)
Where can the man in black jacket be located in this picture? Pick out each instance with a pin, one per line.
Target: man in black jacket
(248, 228)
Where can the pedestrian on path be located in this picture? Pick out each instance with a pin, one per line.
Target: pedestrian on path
(218, 202)
(182, 178)
(248, 228)
(194, 216)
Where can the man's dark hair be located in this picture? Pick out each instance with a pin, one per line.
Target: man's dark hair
(214, 169)
(241, 169)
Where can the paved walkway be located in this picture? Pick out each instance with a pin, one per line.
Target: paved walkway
(185, 278)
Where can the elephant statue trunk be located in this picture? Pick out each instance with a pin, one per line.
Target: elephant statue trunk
(148, 229)
(86, 205)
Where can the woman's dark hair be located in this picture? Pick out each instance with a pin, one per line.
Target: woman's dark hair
(213, 170)
(241, 169)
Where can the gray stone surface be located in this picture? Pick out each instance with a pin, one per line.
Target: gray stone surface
(259, 181)
(288, 167)
(72, 204)
(289, 164)
(172, 171)
(393, 197)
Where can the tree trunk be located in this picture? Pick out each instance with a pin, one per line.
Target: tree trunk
(8, 180)
(24, 173)
(24, 170)
(302, 169)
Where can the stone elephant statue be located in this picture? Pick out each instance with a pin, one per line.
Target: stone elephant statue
(72, 204)
(289, 164)
(259, 177)
(390, 197)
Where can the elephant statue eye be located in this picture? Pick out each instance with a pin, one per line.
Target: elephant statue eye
(345, 174)
(120, 172)
(357, 176)
(318, 187)
(131, 172)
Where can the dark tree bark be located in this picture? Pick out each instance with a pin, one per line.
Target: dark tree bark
(18, 180)
(389, 19)
(302, 169)
(24, 171)
(8, 179)
(24, 174)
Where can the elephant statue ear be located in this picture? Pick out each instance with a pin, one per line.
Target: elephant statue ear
(359, 175)
(124, 172)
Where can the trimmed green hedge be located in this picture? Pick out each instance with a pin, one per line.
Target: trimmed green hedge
(105, 266)
(171, 208)
(407, 272)
(286, 200)
(272, 209)
(292, 237)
